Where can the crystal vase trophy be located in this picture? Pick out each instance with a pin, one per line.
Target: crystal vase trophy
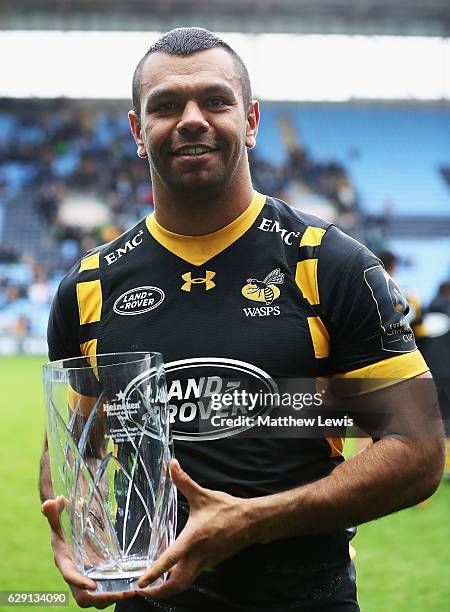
(110, 447)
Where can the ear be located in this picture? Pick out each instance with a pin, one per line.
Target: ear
(252, 124)
(135, 126)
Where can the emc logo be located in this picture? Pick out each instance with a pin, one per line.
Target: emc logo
(270, 225)
(129, 246)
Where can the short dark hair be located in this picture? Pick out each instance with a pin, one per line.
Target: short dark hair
(388, 259)
(185, 41)
(444, 288)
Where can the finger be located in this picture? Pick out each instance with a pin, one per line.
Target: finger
(99, 600)
(104, 600)
(166, 561)
(181, 577)
(52, 509)
(184, 482)
(163, 564)
(71, 575)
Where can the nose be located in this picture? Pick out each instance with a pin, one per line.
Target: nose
(192, 119)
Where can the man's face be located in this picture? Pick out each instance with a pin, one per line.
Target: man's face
(193, 126)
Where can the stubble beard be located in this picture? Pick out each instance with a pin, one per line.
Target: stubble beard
(200, 188)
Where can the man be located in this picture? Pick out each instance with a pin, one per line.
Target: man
(415, 314)
(437, 351)
(249, 285)
(441, 302)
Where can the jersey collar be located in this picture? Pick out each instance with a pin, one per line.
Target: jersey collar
(197, 250)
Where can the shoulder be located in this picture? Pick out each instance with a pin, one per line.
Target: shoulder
(343, 265)
(129, 240)
(339, 250)
(82, 270)
(336, 246)
(292, 216)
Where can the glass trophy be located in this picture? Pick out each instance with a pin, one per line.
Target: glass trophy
(110, 448)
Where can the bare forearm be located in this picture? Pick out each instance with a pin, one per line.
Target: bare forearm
(387, 476)
(45, 481)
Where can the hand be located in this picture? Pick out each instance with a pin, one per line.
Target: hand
(219, 525)
(78, 583)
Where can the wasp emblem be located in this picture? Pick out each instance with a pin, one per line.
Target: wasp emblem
(266, 290)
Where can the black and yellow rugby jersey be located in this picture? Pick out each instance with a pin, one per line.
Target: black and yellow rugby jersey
(275, 294)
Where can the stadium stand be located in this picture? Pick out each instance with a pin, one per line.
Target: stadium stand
(70, 179)
(406, 143)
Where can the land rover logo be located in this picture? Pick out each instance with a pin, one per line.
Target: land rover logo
(138, 300)
(190, 385)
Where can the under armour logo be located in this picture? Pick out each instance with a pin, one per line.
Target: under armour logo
(189, 281)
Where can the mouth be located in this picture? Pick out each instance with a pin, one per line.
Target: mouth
(193, 152)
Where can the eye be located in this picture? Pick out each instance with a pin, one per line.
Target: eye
(215, 102)
(165, 107)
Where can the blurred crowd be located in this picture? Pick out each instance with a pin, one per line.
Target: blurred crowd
(61, 161)
(55, 147)
(328, 179)
(51, 151)
(320, 187)
(48, 152)
(26, 290)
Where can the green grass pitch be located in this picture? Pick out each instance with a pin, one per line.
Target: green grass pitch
(402, 560)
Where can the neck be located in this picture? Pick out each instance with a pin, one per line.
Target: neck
(201, 213)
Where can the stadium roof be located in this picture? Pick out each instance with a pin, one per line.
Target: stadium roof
(398, 17)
